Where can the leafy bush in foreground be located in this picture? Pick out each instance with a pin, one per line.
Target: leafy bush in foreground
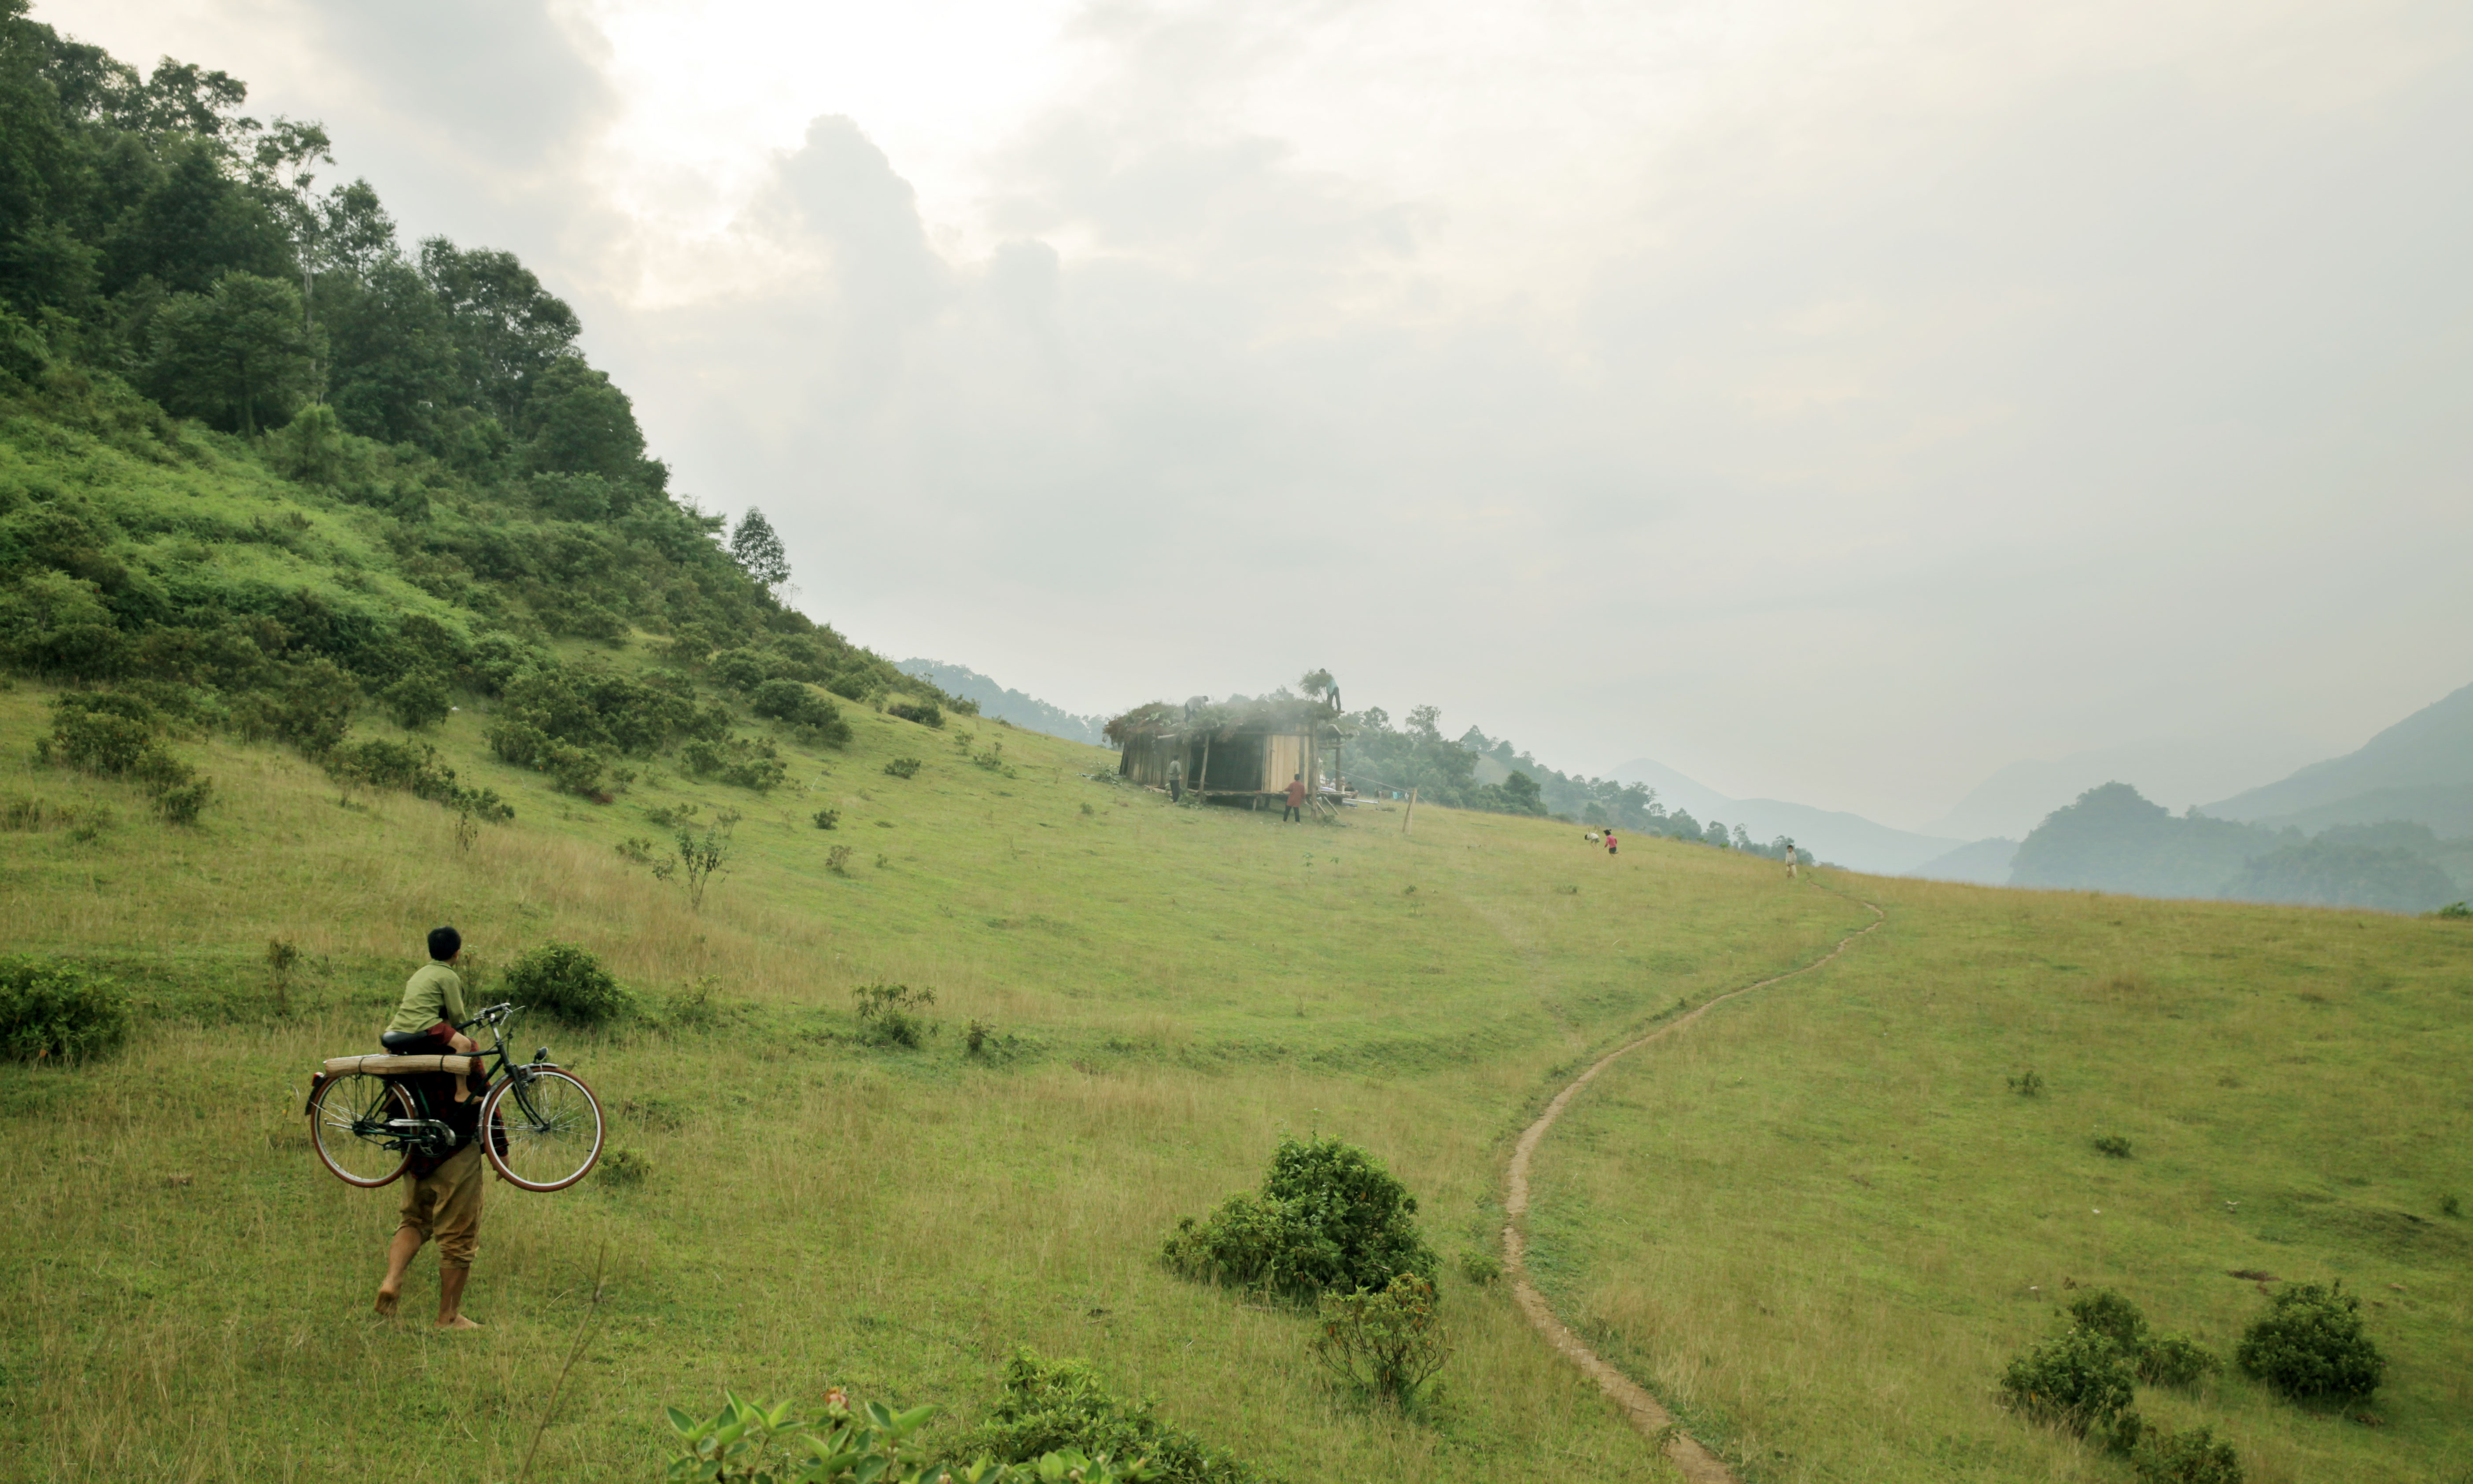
(1328, 1217)
(50, 1009)
(1050, 1405)
(2310, 1344)
(2079, 1382)
(2159, 1360)
(1389, 1342)
(569, 983)
(2193, 1457)
(748, 1443)
(2175, 1360)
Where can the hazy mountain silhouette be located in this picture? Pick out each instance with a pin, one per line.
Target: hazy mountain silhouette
(1849, 840)
(2419, 770)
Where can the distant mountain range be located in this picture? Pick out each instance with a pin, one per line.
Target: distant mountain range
(1848, 840)
(2419, 770)
(2176, 772)
(1007, 705)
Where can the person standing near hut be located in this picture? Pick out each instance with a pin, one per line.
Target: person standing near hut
(1176, 780)
(1296, 809)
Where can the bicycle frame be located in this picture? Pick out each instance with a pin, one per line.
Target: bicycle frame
(423, 1135)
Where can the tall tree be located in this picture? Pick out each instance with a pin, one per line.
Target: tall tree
(236, 356)
(755, 547)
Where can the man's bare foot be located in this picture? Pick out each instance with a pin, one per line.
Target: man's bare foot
(459, 1322)
(387, 1298)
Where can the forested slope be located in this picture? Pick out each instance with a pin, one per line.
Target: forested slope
(261, 466)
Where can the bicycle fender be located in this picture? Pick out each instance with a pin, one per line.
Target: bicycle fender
(317, 1080)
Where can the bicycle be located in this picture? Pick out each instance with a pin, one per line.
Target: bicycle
(540, 1127)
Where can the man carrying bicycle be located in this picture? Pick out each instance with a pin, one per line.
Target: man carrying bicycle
(441, 1195)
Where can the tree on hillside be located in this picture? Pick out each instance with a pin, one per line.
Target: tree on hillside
(755, 547)
(237, 357)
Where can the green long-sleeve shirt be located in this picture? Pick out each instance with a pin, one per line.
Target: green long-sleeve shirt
(433, 994)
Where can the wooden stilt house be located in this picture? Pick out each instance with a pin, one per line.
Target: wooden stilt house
(1240, 752)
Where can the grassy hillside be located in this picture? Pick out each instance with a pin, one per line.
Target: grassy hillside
(1827, 1222)
(1817, 1221)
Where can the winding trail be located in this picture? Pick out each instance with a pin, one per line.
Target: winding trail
(1646, 1413)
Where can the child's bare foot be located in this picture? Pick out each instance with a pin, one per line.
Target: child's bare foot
(387, 1298)
(459, 1322)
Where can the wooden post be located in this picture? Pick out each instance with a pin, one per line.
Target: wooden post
(1410, 817)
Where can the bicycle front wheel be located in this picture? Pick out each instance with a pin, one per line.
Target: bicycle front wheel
(348, 1122)
(543, 1130)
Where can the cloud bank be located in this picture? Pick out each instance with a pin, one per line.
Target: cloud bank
(1834, 401)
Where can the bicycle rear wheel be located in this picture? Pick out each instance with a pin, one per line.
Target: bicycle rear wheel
(348, 1122)
(541, 1132)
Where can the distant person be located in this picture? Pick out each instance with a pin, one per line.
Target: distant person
(1610, 840)
(1176, 780)
(442, 1197)
(1790, 859)
(1296, 809)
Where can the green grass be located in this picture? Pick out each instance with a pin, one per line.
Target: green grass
(1824, 1220)
(1817, 1221)
(1171, 989)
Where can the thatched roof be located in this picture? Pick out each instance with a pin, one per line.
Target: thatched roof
(1220, 719)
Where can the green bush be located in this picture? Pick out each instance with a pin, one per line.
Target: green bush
(2107, 1313)
(790, 701)
(52, 1010)
(894, 1015)
(2079, 1382)
(1480, 1267)
(1328, 1218)
(1048, 1406)
(827, 819)
(113, 735)
(569, 983)
(926, 713)
(903, 767)
(2112, 1146)
(2310, 1344)
(417, 701)
(750, 1443)
(1387, 1341)
(2175, 1360)
(2193, 1457)
(2454, 909)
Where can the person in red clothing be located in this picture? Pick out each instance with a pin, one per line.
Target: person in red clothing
(1296, 809)
(1610, 841)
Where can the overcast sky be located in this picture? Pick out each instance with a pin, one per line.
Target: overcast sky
(1837, 400)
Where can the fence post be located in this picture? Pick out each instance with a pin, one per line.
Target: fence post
(1410, 817)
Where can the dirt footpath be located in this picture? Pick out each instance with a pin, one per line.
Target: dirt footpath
(1646, 1413)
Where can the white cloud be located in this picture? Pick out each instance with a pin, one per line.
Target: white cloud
(1837, 400)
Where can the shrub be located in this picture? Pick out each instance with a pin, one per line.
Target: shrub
(52, 1010)
(2310, 1344)
(750, 1442)
(2453, 909)
(2079, 1382)
(1388, 1341)
(2450, 1205)
(752, 763)
(417, 701)
(2192, 1457)
(837, 860)
(1480, 1267)
(2175, 1360)
(1328, 1217)
(2112, 1146)
(925, 712)
(890, 1015)
(2107, 1313)
(1049, 1405)
(113, 735)
(569, 983)
(902, 767)
(2027, 1084)
(827, 819)
(815, 717)
(974, 1039)
(624, 1168)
